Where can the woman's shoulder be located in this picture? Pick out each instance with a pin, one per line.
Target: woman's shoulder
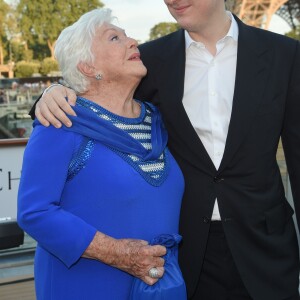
(46, 138)
(50, 132)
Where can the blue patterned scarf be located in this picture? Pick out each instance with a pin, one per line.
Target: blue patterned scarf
(88, 124)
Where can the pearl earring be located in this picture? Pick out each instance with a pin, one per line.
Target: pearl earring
(98, 76)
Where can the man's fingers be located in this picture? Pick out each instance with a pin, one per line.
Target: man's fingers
(70, 94)
(40, 117)
(47, 114)
(57, 112)
(55, 100)
(65, 106)
(53, 106)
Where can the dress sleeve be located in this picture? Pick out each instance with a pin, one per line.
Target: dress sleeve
(44, 172)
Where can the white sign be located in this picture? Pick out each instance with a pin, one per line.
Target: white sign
(11, 158)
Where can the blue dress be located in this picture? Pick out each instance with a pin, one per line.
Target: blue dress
(75, 182)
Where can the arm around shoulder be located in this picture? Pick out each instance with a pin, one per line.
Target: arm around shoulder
(54, 105)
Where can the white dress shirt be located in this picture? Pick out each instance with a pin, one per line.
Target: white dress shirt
(208, 92)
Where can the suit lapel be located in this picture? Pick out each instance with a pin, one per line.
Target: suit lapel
(179, 125)
(251, 77)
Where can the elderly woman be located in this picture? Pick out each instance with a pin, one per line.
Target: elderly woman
(93, 194)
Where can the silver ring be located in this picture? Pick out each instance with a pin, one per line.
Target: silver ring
(153, 273)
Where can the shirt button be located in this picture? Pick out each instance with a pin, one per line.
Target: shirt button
(218, 179)
(206, 220)
(227, 219)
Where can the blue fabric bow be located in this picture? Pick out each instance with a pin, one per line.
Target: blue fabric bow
(171, 285)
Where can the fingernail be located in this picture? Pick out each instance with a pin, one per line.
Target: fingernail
(57, 125)
(69, 124)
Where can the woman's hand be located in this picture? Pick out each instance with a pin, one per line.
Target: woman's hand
(135, 257)
(52, 107)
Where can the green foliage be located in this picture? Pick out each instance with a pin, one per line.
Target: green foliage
(4, 9)
(26, 54)
(48, 65)
(26, 69)
(295, 34)
(42, 21)
(162, 29)
(40, 51)
(16, 49)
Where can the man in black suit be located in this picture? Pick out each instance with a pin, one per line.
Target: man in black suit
(227, 92)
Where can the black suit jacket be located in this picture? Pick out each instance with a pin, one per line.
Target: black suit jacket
(257, 218)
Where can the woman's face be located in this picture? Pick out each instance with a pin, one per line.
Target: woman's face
(116, 55)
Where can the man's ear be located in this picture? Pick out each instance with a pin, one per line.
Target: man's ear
(86, 69)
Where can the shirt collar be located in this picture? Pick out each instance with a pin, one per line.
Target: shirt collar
(233, 33)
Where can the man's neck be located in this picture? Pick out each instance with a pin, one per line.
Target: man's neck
(212, 32)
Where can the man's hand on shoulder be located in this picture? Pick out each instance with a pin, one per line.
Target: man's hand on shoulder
(53, 106)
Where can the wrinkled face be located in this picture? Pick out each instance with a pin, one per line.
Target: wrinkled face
(116, 55)
(194, 14)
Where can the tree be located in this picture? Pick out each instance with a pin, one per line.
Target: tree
(41, 21)
(48, 65)
(4, 9)
(26, 69)
(162, 29)
(15, 46)
(295, 33)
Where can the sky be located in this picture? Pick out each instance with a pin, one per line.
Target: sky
(137, 17)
